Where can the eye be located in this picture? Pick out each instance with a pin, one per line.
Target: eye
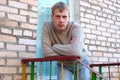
(57, 16)
(64, 17)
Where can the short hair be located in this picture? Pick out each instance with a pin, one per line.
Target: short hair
(61, 6)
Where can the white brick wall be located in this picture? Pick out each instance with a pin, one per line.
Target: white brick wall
(101, 21)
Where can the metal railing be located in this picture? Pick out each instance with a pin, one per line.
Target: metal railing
(111, 71)
(75, 59)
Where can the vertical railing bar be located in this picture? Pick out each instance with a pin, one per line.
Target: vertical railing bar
(23, 71)
(94, 76)
(62, 71)
(100, 71)
(74, 67)
(50, 70)
(77, 71)
(32, 70)
(40, 70)
(118, 72)
(109, 72)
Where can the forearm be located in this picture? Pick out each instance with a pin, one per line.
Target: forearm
(67, 50)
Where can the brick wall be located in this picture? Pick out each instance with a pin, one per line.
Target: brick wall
(101, 20)
(18, 24)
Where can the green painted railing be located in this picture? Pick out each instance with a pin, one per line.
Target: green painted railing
(75, 59)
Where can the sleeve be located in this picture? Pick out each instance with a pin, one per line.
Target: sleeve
(75, 48)
(46, 43)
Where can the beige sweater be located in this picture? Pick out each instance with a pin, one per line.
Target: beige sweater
(56, 44)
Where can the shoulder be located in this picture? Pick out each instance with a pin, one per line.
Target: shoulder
(76, 25)
(47, 25)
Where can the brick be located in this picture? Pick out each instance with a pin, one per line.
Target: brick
(96, 7)
(103, 59)
(113, 60)
(112, 50)
(34, 8)
(32, 48)
(13, 62)
(83, 3)
(27, 55)
(2, 45)
(100, 28)
(18, 5)
(100, 48)
(92, 48)
(3, 2)
(98, 54)
(111, 30)
(17, 77)
(102, 38)
(2, 62)
(100, 18)
(33, 20)
(90, 26)
(93, 59)
(107, 11)
(9, 23)
(27, 41)
(102, 4)
(93, 2)
(8, 70)
(106, 34)
(31, 2)
(27, 33)
(17, 32)
(116, 55)
(107, 54)
(109, 21)
(111, 40)
(95, 22)
(7, 38)
(29, 13)
(5, 77)
(8, 54)
(28, 26)
(91, 36)
(2, 15)
(8, 9)
(18, 18)
(84, 20)
(13, 47)
(89, 16)
(6, 30)
(96, 32)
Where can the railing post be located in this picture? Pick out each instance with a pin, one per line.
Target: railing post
(32, 70)
(41, 70)
(23, 71)
(100, 71)
(50, 70)
(62, 70)
(94, 76)
(75, 70)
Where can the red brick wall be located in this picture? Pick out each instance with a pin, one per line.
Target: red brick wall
(18, 24)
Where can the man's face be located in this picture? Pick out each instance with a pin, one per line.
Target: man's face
(60, 19)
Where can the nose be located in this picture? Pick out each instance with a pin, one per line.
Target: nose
(61, 20)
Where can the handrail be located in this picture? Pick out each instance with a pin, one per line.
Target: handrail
(55, 58)
(91, 69)
(104, 64)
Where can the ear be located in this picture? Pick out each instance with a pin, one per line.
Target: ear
(51, 16)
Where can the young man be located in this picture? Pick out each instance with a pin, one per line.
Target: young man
(63, 38)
